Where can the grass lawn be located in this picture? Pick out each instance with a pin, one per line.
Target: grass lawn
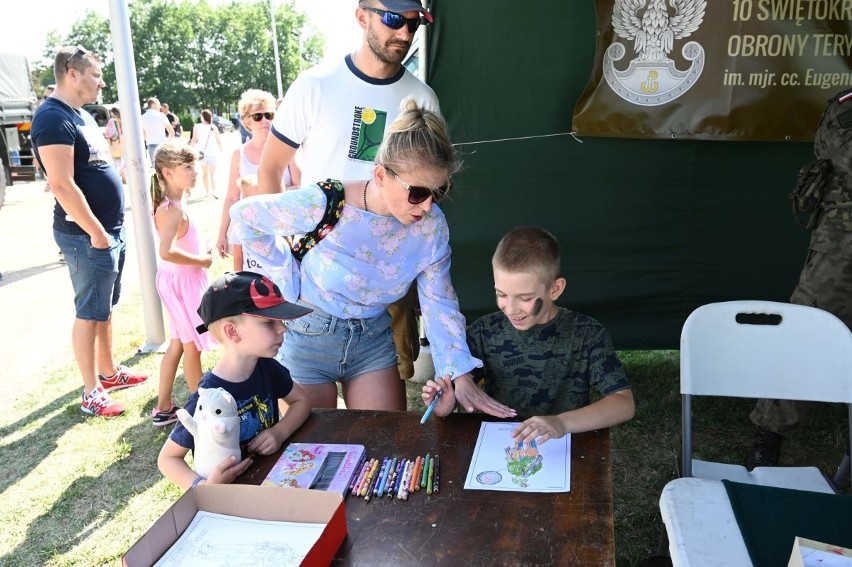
(80, 491)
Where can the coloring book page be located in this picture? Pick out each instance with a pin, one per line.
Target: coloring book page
(220, 540)
(499, 463)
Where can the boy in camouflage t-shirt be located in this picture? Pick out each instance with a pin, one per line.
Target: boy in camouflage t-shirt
(541, 359)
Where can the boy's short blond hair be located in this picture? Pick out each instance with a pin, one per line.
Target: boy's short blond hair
(215, 327)
(531, 250)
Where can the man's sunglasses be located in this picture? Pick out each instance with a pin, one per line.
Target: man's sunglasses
(395, 21)
(79, 53)
(417, 195)
(258, 116)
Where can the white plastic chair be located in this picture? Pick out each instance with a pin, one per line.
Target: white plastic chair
(791, 352)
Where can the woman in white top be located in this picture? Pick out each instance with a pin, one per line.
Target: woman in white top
(390, 233)
(256, 109)
(205, 138)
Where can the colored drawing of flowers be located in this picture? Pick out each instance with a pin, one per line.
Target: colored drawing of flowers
(523, 460)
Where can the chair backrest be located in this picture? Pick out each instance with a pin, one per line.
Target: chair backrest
(765, 349)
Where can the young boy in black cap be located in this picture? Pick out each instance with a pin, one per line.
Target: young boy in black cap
(244, 312)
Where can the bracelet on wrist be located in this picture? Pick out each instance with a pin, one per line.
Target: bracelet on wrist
(197, 480)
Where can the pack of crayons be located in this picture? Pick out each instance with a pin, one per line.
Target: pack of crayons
(321, 466)
(393, 477)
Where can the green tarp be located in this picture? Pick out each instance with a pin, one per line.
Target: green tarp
(650, 229)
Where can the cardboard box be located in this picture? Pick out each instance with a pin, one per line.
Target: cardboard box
(246, 501)
(807, 552)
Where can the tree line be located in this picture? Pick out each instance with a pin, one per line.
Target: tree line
(193, 55)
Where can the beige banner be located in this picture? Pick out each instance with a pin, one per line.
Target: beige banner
(717, 70)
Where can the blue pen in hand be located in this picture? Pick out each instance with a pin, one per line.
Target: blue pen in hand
(431, 407)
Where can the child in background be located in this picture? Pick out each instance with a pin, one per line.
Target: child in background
(181, 276)
(539, 358)
(244, 311)
(114, 134)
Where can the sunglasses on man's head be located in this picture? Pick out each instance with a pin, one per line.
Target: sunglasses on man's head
(79, 53)
(258, 116)
(417, 195)
(395, 21)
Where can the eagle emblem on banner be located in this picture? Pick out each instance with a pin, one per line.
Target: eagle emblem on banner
(651, 78)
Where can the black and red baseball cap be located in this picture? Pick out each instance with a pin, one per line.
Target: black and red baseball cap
(245, 293)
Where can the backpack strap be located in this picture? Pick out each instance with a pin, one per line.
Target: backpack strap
(333, 190)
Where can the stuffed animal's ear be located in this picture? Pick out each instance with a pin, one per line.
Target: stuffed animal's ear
(201, 391)
(228, 397)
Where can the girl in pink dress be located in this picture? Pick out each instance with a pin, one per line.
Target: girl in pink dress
(182, 275)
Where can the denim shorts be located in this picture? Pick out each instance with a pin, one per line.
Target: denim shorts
(320, 348)
(95, 273)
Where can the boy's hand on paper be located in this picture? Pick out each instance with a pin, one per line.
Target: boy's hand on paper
(227, 471)
(265, 443)
(539, 428)
(447, 402)
(472, 398)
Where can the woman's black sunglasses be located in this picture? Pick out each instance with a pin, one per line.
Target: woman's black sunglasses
(258, 116)
(417, 195)
(395, 21)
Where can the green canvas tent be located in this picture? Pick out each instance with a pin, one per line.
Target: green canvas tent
(650, 229)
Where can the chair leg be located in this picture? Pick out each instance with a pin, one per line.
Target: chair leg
(663, 544)
(842, 472)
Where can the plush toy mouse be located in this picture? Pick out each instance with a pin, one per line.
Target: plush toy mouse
(215, 427)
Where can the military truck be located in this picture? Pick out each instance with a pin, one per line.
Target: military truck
(17, 105)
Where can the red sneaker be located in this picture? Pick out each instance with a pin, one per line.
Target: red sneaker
(123, 378)
(99, 403)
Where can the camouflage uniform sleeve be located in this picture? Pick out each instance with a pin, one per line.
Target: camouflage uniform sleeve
(606, 375)
(477, 349)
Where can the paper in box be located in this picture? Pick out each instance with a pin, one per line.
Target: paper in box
(246, 501)
(810, 553)
(322, 466)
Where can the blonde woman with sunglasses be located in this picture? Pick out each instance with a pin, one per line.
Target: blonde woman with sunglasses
(390, 233)
(256, 109)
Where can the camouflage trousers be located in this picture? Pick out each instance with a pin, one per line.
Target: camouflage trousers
(826, 283)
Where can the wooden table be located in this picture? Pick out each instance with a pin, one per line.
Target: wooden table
(457, 526)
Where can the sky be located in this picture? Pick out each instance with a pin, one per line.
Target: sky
(335, 19)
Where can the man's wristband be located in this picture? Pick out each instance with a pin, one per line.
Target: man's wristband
(197, 480)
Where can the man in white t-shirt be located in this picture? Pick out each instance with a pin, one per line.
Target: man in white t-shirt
(336, 115)
(156, 127)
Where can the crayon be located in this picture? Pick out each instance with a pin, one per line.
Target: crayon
(384, 482)
(397, 478)
(402, 492)
(356, 484)
(431, 407)
(408, 473)
(400, 468)
(360, 488)
(392, 466)
(372, 486)
(391, 476)
(426, 462)
(430, 479)
(369, 478)
(415, 474)
(382, 472)
(437, 483)
(361, 476)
